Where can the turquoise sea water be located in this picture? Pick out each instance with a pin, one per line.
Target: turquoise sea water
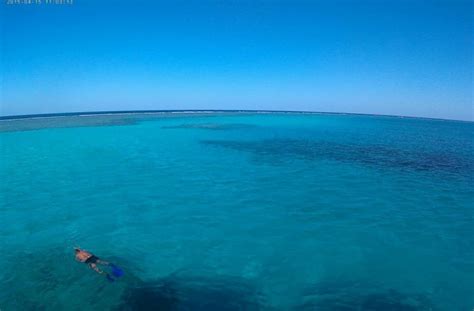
(238, 212)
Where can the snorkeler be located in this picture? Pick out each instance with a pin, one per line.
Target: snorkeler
(90, 259)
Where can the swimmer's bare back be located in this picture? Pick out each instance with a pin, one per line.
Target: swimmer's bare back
(82, 255)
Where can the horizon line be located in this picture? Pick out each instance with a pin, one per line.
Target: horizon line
(103, 112)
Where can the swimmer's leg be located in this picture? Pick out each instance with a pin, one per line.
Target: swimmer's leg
(93, 266)
(102, 262)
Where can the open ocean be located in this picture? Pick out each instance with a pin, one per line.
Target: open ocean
(237, 211)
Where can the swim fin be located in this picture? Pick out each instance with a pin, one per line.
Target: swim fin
(116, 271)
(109, 278)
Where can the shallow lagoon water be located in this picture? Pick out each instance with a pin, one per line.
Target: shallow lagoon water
(238, 212)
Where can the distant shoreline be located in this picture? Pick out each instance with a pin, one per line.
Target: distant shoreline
(205, 111)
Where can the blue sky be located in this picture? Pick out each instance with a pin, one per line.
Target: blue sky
(411, 58)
